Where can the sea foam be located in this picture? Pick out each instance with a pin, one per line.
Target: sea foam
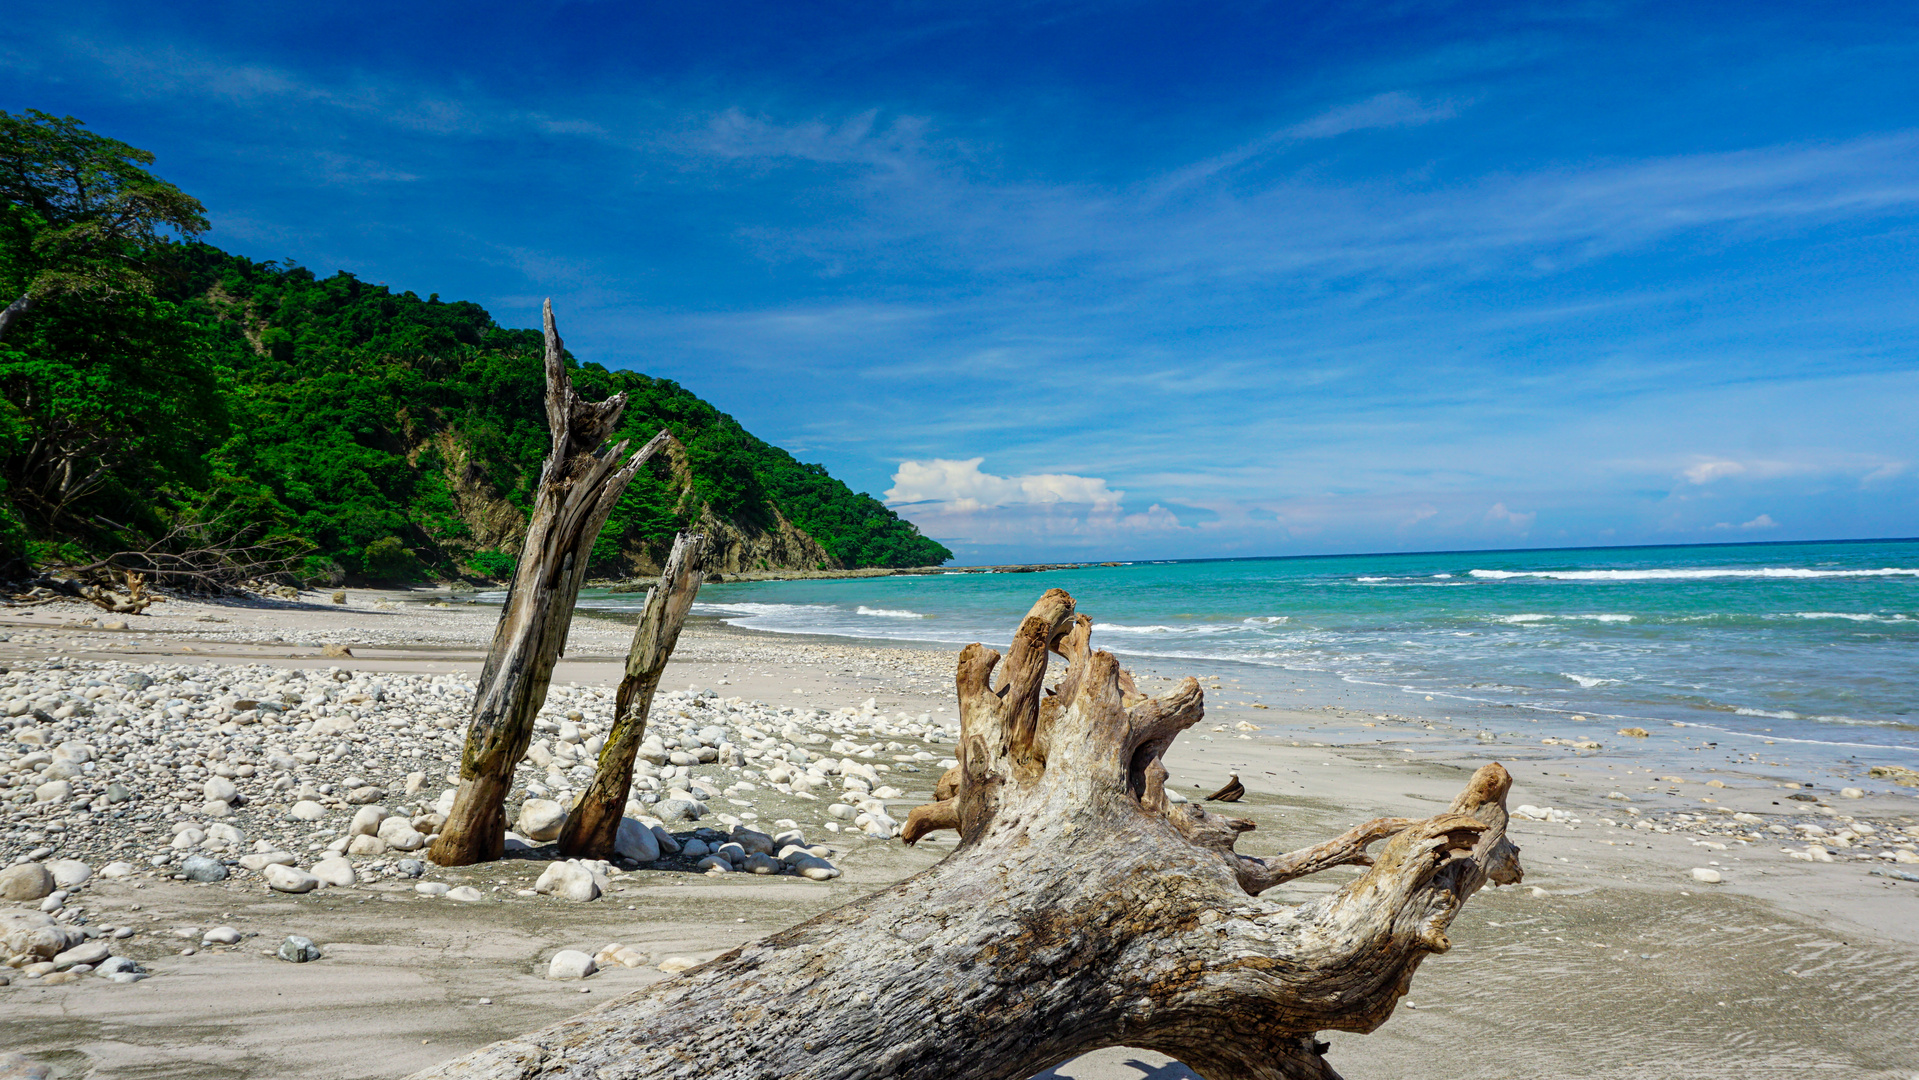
(1699, 574)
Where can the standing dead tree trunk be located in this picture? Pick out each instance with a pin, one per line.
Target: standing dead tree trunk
(15, 311)
(594, 824)
(1082, 909)
(579, 484)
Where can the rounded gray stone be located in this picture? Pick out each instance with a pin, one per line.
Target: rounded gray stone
(298, 950)
(679, 810)
(203, 868)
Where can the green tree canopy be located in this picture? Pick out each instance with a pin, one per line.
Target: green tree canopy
(79, 215)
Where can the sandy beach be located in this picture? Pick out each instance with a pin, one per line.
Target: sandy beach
(1613, 958)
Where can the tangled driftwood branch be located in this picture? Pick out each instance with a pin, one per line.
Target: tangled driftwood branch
(1082, 909)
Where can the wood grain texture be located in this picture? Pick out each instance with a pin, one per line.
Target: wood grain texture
(591, 828)
(579, 485)
(1082, 909)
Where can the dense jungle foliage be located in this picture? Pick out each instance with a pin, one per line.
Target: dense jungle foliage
(176, 394)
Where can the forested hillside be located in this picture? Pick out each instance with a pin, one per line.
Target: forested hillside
(212, 399)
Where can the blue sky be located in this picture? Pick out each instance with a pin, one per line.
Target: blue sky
(1128, 280)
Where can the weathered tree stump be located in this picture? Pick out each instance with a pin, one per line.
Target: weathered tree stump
(579, 485)
(594, 824)
(1082, 909)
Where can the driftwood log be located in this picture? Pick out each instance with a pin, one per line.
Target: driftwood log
(1081, 909)
(579, 485)
(594, 823)
(125, 594)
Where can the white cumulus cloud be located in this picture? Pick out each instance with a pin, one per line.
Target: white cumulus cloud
(961, 486)
(1516, 520)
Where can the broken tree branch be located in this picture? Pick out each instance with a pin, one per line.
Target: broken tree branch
(579, 485)
(594, 824)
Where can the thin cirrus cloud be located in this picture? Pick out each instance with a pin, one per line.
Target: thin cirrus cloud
(1391, 109)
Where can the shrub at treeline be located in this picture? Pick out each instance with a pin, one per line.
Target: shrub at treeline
(174, 384)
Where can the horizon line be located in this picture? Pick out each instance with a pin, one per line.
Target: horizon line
(1082, 563)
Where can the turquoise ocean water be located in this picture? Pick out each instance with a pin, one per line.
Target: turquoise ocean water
(1816, 642)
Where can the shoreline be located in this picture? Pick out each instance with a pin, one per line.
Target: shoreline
(642, 583)
(1632, 933)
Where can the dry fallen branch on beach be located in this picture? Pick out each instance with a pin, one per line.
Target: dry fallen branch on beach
(593, 827)
(579, 485)
(125, 595)
(205, 551)
(1082, 909)
(1232, 791)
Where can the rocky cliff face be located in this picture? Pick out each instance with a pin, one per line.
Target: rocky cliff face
(732, 549)
(731, 546)
(494, 523)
